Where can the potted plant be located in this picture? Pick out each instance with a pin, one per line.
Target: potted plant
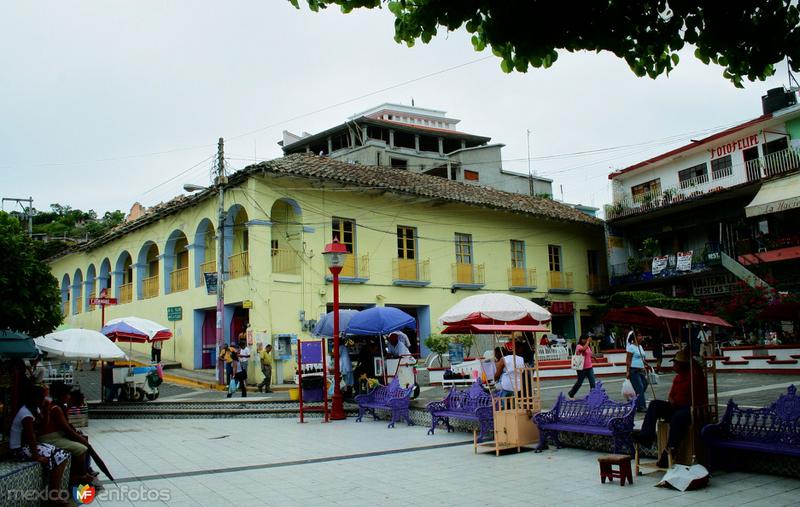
(438, 344)
(466, 341)
(668, 195)
(650, 247)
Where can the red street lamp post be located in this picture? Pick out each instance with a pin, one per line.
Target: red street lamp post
(334, 255)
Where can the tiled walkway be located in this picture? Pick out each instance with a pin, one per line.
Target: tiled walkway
(257, 462)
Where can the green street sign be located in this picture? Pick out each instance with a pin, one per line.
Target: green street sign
(174, 313)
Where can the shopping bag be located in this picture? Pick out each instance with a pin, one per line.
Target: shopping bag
(628, 392)
(233, 386)
(652, 377)
(577, 361)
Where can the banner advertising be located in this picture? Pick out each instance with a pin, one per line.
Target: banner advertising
(659, 264)
(684, 261)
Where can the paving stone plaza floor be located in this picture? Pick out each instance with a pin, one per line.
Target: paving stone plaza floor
(264, 462)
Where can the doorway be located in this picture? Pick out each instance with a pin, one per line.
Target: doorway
(241, 316)
(209, 340)
(752, 164)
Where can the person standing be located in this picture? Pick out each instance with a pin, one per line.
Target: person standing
(266, 368)
(509, 372)
(155, 351)
(636, 369)
(584, 348)
(244, 351)
(240, 375)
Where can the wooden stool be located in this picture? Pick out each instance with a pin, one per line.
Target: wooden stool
(607, 471)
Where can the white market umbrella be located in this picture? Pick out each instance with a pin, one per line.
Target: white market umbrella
(79, 344)
(485, 308)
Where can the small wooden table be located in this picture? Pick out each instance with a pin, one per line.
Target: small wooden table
(622, 472)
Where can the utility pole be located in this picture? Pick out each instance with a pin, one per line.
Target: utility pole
(220, 183)
(530, 174)
(28, 211)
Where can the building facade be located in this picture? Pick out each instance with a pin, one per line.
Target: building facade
(416, 242)
(697, 220)
(418, 140)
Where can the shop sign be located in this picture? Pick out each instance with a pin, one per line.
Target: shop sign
(659, 264)
(174, 313)
(713, 285)
(739, 144)
(562, 308)
(211, 282)
(684, 261)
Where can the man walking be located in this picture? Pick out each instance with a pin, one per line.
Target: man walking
(266, 368)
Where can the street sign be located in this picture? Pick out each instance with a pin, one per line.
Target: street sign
(102, 301)
(174, 313)
(211, 282)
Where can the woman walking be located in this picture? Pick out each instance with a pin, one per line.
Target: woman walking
(636, 369)
(584, 348)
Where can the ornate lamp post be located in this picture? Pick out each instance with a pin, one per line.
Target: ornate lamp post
(334, 255)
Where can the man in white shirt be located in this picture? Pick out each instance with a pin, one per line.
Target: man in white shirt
(396, 346)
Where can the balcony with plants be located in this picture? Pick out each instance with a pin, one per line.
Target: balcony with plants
(772, 165)
(649, 264)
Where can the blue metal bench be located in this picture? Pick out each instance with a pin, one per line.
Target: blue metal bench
(474, 404)
(391, 397)
(595, 414)
(774, 429)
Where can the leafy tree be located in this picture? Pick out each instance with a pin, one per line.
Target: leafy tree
(31, 302)
(746, 38)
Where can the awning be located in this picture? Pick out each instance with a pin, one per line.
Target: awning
(777, 195)
(652, 317)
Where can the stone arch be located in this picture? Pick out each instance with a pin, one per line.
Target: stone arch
(104, 278)
(123, 277)
(65, 295)
(89, 287)
(287, 236)
(77, 297)
(176, 262)
(205, 250)
(147, 268)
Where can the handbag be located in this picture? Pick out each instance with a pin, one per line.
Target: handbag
(652, 377)
(577, 361)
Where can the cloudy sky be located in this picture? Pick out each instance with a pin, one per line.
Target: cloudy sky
(108, 103)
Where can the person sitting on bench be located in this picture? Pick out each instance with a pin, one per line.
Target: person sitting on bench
(677, 410)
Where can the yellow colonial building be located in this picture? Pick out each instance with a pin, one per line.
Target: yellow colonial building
(417, 242)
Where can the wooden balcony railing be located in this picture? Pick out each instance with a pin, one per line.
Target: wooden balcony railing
(285, 261)
(521, 278)
(355, 266)
(412, 270)
(65, 308)
(150, 287)
(125, 293)
(179, 280)
(468, 274)
(239, 264)
(92, 307)
(209, 266)
(78, 305)
(561, 280)
(594, 283)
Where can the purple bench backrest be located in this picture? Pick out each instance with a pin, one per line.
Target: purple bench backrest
(391, 391)
(596, 409)
(469, 400)
(777, 423)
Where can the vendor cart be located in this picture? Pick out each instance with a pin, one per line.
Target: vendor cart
(138, 382)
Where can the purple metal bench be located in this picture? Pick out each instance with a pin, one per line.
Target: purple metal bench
(595, 414)
(774, 429)
(474, 404)
(392, 397)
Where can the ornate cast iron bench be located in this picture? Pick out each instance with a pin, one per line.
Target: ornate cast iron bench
(774, 429)
(595, 414)
(391, 397)
(474, 404)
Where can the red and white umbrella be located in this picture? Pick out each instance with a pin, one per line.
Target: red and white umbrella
(135, 329)
(494, 308)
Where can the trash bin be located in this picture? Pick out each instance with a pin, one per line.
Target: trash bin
(312, 388)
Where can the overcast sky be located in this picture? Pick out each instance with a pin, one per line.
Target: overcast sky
(106, 103)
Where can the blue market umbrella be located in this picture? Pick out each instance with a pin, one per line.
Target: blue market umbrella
(325, 325)
(380, 320)
(16, 345)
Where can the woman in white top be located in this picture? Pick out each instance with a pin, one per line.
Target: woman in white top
(509, 372)
(24, 447)
(636, 367)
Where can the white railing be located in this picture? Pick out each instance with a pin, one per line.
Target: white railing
(773, 164)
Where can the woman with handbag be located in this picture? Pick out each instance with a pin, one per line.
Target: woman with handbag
(582, 362)
(636, 369)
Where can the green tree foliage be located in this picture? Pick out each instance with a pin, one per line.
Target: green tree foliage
(644, 298)
(31, 302)
(746, 38)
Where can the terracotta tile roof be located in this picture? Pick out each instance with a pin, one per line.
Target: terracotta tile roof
(309, 166)
(405, 182)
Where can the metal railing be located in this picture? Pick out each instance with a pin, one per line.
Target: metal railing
(355, 266)
(413, 270)
(285, 261)
(125, 293)
(468, 274)
(239, 264)
(521, 277)
(209, 266)
(150, 287)
(561, 280)
(774, 164)
(179, 280)
(78, 305)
